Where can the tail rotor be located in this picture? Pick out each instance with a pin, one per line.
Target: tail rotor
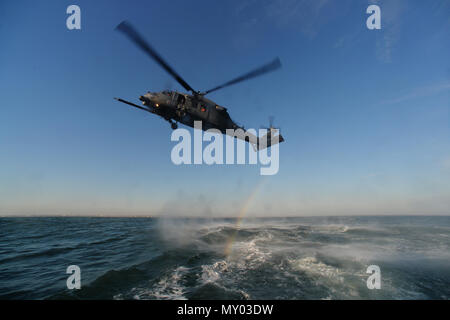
(271, 126)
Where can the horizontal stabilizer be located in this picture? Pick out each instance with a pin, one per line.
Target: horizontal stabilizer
(259, 143)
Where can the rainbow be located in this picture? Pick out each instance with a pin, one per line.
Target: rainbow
(242, 213)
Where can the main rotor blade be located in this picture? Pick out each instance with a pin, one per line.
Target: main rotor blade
(134, 36)
(271, 66)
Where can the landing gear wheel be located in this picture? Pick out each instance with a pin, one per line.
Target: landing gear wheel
(174, 126)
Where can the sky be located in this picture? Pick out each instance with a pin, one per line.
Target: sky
(365, 113)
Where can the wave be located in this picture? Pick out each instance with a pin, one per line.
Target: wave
(276, 261)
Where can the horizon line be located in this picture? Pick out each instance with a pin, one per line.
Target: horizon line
(219, 217)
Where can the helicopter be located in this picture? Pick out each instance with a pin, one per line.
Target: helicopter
(177, 107)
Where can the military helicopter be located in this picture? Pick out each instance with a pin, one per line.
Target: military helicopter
(176, 107)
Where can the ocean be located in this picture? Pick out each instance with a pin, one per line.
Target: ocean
(193, 258)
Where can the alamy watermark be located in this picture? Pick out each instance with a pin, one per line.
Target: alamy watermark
(74, 280)
(73, 22)
(190, 150)
(374, 20)
(374, 280)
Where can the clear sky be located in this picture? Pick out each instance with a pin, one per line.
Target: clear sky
(365, 113)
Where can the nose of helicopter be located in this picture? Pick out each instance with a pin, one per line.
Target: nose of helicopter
(152, 99)
(146, 98)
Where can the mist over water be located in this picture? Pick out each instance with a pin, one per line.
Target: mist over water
(180, 258)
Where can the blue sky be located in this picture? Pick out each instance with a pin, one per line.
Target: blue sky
(365, 113)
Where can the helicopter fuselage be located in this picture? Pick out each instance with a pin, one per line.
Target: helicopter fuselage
(184, 108)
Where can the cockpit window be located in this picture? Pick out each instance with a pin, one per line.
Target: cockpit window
(180, 99)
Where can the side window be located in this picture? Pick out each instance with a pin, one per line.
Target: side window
(174, 96)
(180, 99)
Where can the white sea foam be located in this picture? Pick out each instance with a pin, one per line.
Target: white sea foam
(314, 267)
(167, 288)
(211, 273)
